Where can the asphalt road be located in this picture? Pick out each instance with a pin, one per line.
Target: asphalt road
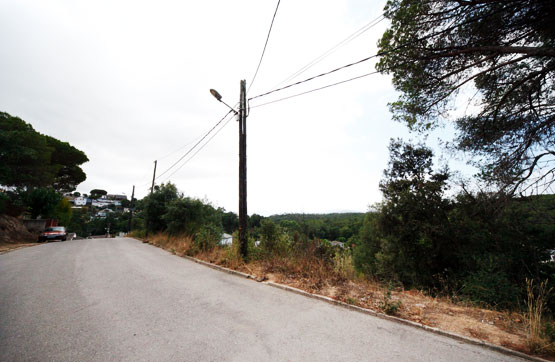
(122, 300)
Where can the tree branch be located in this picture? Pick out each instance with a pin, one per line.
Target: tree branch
(530, 51)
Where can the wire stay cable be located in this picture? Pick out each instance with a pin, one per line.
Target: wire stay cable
(316, 89)
(264, 50)
(333, 49)
(200, 149)
(192, 148)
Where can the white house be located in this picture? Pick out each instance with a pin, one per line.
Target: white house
(80, 201)
(103, 213)
(226, 239)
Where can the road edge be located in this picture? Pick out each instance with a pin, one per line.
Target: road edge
(355, 308)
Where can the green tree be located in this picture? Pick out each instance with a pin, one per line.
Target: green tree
(414, 243)
(156, 205)
(78, 222)
(41, 201)
(66, 159)
(30, 159)
(24, 154)
(503, 52)
(63, 212)
(97, 193)
(230, 222)
(187, 215)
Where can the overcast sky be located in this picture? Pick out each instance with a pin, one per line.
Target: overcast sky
(128, 83)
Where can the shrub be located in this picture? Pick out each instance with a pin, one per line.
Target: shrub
(387, 305)
(490, 285)
(343, 264)
(207, 238)
(535, 308)
(274, 241)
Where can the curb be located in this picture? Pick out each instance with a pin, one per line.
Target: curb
(355, 308)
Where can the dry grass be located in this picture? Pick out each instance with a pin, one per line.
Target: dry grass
(535, 306)
(337, 279)
(6, 247)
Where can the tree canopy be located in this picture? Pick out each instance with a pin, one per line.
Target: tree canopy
(500, 55)
(30, 159)
(97, 193)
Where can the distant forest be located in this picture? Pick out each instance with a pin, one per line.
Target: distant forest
(332, 227)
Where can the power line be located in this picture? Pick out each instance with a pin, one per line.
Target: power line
(333, 49)
(316, 89)
(368, 58)
(316, 76)
(193, 155)
(265, 44)
(180, 148)
(196, 144)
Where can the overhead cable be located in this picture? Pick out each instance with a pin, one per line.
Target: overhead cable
(314, 90)
(333, 49)
(196, 144)
(401, 46)
(201, 147)
(314, 77)
(265, 44)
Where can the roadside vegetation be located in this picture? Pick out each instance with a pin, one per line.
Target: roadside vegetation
(36, 170)
(477, 263)
(472, 257)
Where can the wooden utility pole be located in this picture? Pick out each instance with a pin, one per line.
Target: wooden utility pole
(151, 191)
(243, 234)
(153, 177)
(131, 210)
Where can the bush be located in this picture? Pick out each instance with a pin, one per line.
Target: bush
(343, 264)
(490, 285)
(207, 238)
(387, 305)
(274, 241)
(4, 201)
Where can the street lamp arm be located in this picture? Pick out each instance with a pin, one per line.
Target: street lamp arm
(219, 98)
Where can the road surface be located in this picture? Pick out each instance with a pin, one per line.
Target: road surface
(122, 300)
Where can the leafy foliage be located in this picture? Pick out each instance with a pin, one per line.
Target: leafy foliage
(41, 201)
(482, 246)
(335, 226)
(168, 210)
(505, 49)
(187, 215)
(413, 245)
(97, 193)
(24, 154)
(67, 160)
(30, 159)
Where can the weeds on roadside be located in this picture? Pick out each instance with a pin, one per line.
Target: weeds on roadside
(387, 305)
(343, 264)
(535, 307)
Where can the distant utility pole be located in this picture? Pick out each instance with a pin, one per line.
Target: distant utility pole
(153, 177)
(131, 210)
(151, 191)
(243, 232)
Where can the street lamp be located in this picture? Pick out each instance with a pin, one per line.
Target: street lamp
(242, 115)
(218, 96)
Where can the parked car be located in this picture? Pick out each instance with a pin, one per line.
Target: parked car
(53, 233)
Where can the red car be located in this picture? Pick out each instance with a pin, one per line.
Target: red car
(53, 233)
